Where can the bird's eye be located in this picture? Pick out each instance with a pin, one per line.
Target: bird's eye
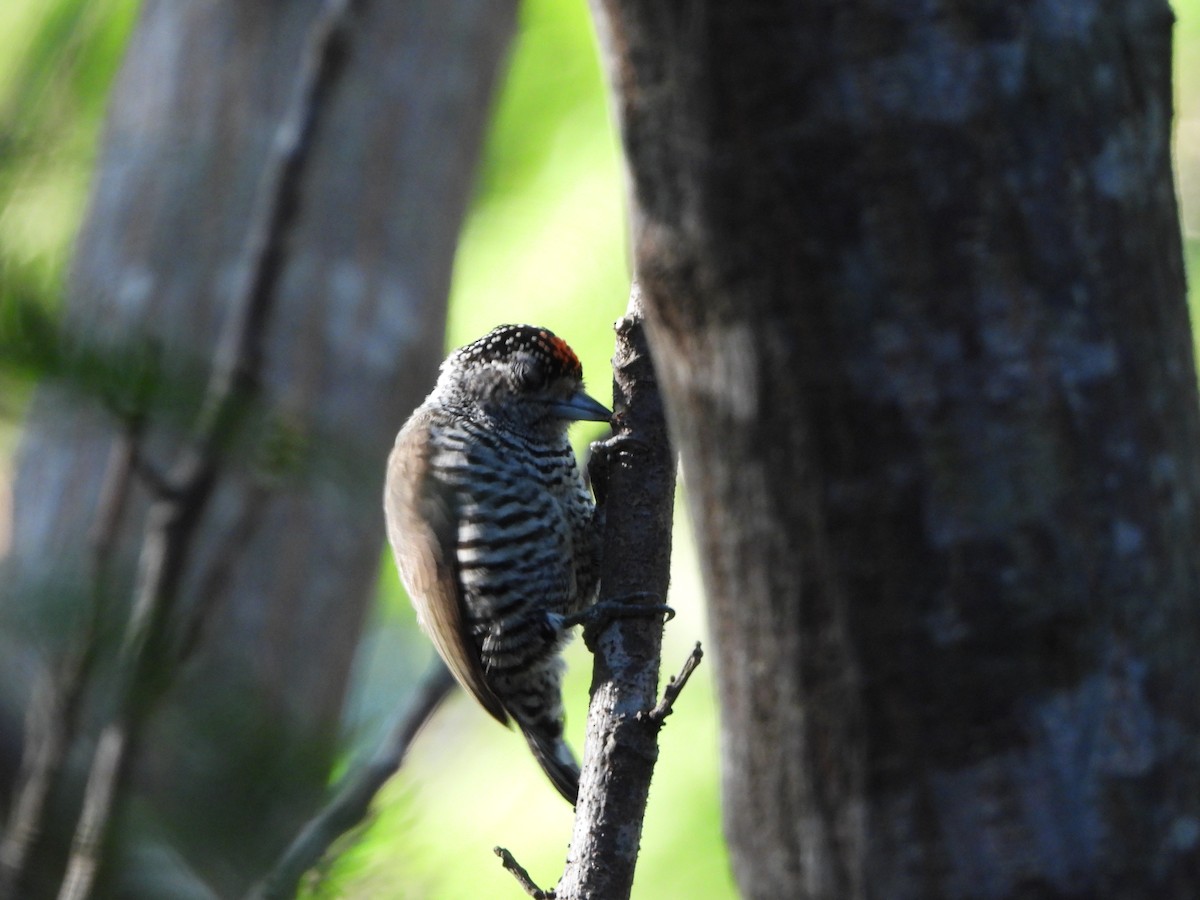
(528, 375)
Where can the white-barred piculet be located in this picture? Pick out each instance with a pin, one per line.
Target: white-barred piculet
(495, 532)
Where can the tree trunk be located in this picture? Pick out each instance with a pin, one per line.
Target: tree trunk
(287, 553)
(914, 281)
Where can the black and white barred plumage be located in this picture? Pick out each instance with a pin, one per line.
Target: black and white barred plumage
(493, 529)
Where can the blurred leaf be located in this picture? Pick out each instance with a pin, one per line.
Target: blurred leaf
(57, 62)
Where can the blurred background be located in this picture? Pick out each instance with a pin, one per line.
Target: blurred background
(544, 243)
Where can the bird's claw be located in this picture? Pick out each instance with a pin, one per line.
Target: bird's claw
(596, 617)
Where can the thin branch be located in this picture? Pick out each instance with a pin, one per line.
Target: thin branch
(676, 685)
(41, 760)
(352, 797)
(520, 873)
(54, 708)
(622, 746)
(150, 475)
(173, 518)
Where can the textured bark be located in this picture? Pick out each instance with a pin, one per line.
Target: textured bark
(242, 744)
(622, 736)
(915, 293)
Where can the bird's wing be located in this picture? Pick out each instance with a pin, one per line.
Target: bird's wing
(422, 524)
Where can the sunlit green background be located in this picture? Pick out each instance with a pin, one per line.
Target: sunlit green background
(545, 243)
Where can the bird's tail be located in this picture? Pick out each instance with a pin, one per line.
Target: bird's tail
(554, 756)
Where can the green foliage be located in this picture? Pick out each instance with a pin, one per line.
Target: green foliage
(58, 63)
(1187, 131)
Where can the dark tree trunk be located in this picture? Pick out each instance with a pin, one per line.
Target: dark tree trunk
(241, 747)
(916, 297)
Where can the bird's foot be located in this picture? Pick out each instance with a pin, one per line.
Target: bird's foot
(598, 616)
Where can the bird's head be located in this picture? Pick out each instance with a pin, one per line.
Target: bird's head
(522, 376)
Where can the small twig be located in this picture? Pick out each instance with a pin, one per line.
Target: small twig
(519, 872)
(352, 797)
(675, 686)
(40, 762)
(156, 480)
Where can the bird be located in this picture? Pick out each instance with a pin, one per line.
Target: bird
(494, 531)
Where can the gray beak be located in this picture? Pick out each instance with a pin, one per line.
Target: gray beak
(582, 408)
